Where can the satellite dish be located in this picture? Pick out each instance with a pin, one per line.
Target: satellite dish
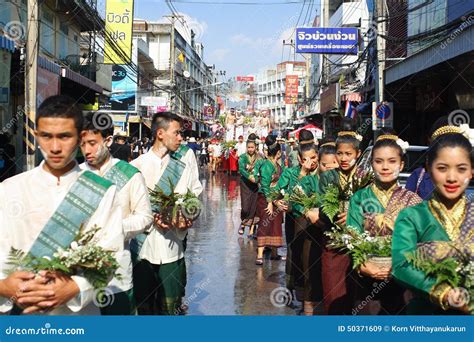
(186, 74)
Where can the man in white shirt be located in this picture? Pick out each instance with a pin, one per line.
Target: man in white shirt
(96, 137)
(42, 210)
(160, 275)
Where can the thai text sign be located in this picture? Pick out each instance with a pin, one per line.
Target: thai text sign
(118, 28)
(291, 91)
(245, 78)
(343, 40)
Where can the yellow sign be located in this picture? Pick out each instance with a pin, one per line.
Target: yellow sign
(118, 28)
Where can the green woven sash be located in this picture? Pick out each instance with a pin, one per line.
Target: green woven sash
(76, 208)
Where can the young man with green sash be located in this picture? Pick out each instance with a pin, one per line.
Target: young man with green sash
(159, 275)
(96, 137)
(43, 210)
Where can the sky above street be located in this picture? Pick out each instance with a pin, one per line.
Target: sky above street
(240, 39)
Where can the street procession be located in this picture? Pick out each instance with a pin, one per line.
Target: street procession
(318, 163)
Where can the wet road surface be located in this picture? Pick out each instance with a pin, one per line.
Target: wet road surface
(222, 276)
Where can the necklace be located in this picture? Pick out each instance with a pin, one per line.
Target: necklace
(344, 180)
(451, 220)
(383, 195)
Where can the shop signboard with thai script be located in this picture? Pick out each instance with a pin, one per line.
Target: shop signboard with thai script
(291, 89)
(245, 78)
(118, 28)
(327, 40)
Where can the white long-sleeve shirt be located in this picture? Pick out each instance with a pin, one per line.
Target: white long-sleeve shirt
(137, 217)
(163, 246)
(27, 201)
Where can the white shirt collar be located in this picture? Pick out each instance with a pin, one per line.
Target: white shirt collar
(50, 179)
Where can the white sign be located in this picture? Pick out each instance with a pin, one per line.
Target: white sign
(153, 101)
(382, 115)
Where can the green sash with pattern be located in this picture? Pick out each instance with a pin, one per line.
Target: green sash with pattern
(77, 207)
(121, 173)
(167, 183)
(181, 152)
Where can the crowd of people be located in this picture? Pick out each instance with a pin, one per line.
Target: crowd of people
(87, 238)
(114, 208)
(370, 203)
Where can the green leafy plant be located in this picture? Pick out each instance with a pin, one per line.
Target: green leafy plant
(330, 201)
(457, 271)
(173, 205)
(360, 246)
(308, 202)
(336, 194)
(84, 256)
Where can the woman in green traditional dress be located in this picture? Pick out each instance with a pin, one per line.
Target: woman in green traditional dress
(446, 218)
(336, 270)
(327, 155)
(374, 209)
(303, 267)
(269, 233)
(248, 186)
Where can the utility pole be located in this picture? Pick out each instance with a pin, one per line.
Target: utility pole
(31, 70)
(380, 55)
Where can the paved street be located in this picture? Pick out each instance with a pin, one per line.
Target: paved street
(222, 276)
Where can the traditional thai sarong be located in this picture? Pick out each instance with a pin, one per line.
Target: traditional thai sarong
(248, 190)
(159, 282)
(338, 278)
(303, 261)
(293, 274)
(159, 288)
(307, 250)
(248, 199)
(270, 232)
(375, 210)
(426, 227)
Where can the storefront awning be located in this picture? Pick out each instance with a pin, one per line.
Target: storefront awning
(46, 64)
(7, 44)
(84, 81)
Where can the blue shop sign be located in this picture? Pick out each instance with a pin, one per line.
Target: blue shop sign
(342, 40)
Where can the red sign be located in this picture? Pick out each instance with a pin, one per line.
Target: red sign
(245, 78)
(208, 112)
(291, 92)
